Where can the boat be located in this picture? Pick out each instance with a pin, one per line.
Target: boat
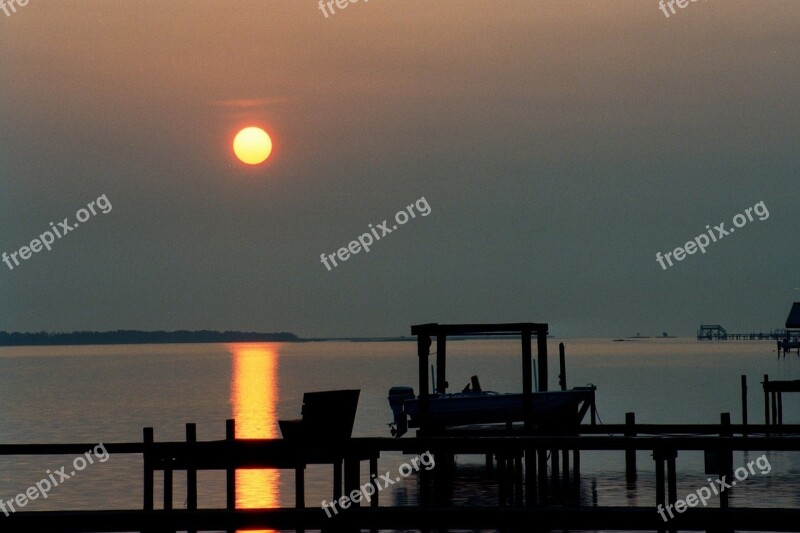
(439, 411)
(487, 407)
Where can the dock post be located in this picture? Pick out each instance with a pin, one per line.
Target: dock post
(660, 496)
(630, 454)
(725, 457)
(191, 470)
(576, 467)
(423, 350)
(744, 405)
(530, 477)
(542, 471)
(502, 492)
(541, 348)
(517, 478)
(337, 479)
(672, 478)
(527, 381)
(426, 499)
(562, 376)
(299, 486)
(373, 474)
(554, 471)
(780, 408)
(441, 361)
(766, 402)
(352, 476)
(167, 487)
(148, 468)
(565, 466)
(230, 472)
(774, 407)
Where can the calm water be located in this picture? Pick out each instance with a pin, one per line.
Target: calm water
(109, 393)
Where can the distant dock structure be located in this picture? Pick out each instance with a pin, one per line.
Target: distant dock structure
(711, 332)
(787, 339)
(715, 332)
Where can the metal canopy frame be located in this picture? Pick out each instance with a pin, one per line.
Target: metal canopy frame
(525, 330)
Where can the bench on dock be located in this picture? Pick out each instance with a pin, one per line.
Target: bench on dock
(327, 415)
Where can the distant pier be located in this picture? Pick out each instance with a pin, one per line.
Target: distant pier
(715, 332)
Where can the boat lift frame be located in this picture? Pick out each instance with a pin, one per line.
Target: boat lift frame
(525, 330)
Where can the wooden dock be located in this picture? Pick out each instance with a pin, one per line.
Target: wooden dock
(534, 471)
(715, 332)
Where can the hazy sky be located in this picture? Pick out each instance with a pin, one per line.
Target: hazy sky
(559, 144)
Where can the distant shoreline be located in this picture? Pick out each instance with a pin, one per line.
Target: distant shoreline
(128, 337)
(81, 338)
(93, 338)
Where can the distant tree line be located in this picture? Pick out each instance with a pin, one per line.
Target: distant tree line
(122, 336)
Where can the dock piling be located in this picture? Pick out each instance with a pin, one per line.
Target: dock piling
(530, 476)
(660, 495)
(541, 347)
(337, 479)
(774, 407)
(726, 457)
(501, 480)
(230, 473)
(744, 405)
(373, 474)
(167, 488)
(542, 472)
(527, 380)
(148, 468)
(766, 402)
(630, 454)
(672, 477)
(554, 471)
(518, 496)
(666, 456)
(191, 472)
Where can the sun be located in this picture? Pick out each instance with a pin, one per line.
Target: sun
(252, 145)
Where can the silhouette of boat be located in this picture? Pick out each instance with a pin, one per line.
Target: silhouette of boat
(439, 410)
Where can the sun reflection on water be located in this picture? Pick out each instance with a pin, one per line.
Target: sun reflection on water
(254, 397)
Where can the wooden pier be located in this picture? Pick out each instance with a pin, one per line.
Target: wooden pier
(715, 332)
(534, 479)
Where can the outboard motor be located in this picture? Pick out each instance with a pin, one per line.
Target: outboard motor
(397, 398)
